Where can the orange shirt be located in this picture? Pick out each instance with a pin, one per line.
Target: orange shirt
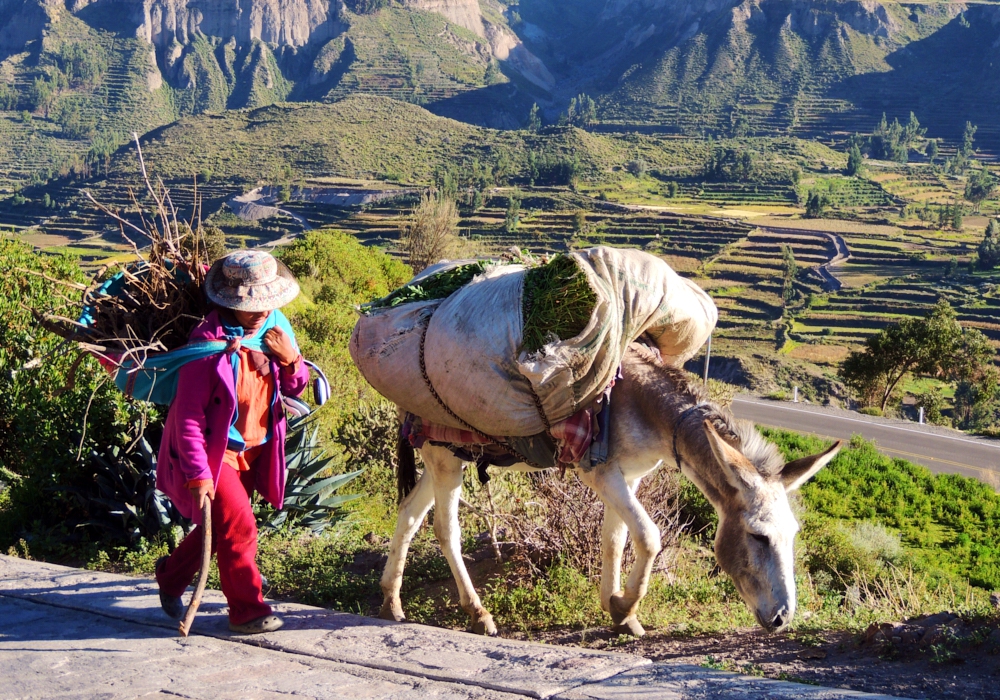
(254, 394)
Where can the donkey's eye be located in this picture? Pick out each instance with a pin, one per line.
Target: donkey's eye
(761, 538)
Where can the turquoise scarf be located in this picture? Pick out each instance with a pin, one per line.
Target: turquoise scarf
(155, 378)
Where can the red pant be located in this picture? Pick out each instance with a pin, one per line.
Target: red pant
(234, 541)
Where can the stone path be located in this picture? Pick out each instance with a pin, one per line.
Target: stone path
(68, 633)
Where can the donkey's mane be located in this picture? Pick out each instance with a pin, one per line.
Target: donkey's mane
(742, 434)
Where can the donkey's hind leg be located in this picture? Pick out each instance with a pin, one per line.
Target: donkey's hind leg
(447, 471)
(412, 511)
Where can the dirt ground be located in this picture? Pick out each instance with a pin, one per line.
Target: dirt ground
(947, 671)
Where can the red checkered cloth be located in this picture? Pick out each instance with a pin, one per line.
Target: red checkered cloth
(573, 435)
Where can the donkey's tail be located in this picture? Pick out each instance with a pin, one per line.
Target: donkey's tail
(406, 468)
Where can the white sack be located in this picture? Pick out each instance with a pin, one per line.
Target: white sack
(472, 348)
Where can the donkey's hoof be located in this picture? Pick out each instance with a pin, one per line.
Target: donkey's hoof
(393, 613)
(619, 610)
(629, 626)
(485, 626)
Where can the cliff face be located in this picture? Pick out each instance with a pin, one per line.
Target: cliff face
(22, 21)
(291, 23)
(464, 13)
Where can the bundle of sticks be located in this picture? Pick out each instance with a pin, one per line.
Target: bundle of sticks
(151, 304)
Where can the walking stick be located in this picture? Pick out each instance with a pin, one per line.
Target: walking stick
(206, 560)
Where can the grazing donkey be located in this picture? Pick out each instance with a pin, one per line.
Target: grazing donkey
(656, 416)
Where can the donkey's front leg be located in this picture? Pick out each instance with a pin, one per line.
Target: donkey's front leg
(412, 511)
(610, 485)
(447, 471)
(613, 536)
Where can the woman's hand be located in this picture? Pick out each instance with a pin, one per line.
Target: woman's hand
(280, 345)
(202, 492)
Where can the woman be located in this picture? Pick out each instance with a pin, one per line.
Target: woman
(225, 432)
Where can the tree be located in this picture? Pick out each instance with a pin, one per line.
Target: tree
(730, 165)
(534, 118)
(8, 97)
(855, 161)
(957, 218)
(932, 150)
(979, 187)
(432, 233)
(976, 400)
(513, 217)
(366, 7)
(41, 95)
(552, 169)
(579, 221)
(492, 75)
(893, 141)
(989, 249)
(816, 204)
(582, 110)
(935, 346)
(477, 200)
(637, 167)
(789, 270)
(968, 139)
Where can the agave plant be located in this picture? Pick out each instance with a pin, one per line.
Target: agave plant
(123, 502)
(310, 501)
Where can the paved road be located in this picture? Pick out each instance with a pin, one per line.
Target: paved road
(939, 449)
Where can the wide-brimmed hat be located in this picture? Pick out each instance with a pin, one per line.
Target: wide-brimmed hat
(250, 280)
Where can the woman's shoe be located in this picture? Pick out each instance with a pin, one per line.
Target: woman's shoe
(173, 606)
(267, 623)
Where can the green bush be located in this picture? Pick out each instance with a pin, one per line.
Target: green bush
(48, 426)
(948, 523)
(871, 411)
(309, 483)
(337, 274)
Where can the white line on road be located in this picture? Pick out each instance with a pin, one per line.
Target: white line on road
(979, 443)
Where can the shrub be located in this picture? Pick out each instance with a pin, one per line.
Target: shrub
(432, 233)
(367, 7)
(849, 551)
(948, 523)
(309, 484)
(337, 274)
(48, 423)
(549, 169)
(122, 503)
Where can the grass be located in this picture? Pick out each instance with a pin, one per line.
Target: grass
(557, 302)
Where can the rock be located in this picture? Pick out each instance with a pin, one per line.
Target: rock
(993, 641)
(937, 619)
(995, 600)
(911, 635)
(812, 654)
(933, 635)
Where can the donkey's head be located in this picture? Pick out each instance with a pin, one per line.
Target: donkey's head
(756, 534)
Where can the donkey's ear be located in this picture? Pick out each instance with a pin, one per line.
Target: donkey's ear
(739, 472)
(799, 471)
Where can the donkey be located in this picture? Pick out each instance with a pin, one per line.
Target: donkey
(656, 416)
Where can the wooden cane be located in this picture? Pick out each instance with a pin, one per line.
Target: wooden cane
(206, 560)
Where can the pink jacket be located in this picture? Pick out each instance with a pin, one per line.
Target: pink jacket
(197, 429)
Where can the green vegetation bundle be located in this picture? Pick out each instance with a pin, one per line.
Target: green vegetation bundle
(152, 304)
(440, 285)
(557, 302)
